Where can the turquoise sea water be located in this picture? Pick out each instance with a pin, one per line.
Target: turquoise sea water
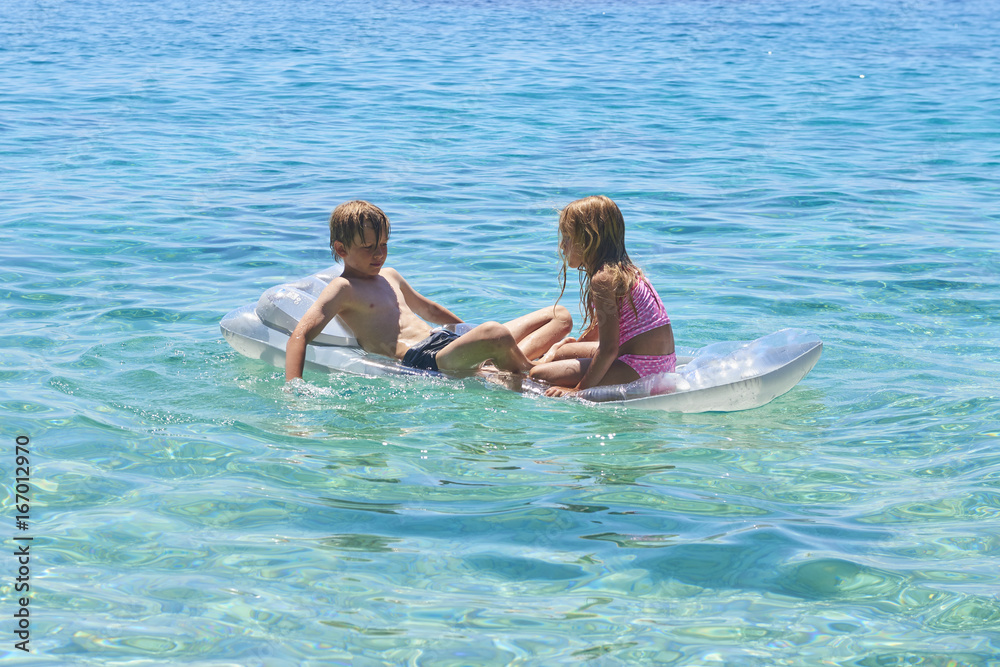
(831, 166)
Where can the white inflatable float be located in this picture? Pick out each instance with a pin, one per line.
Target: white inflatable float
(720, 377)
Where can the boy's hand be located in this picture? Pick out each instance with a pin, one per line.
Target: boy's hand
(556, 392)
(548, 356)
(294, 386)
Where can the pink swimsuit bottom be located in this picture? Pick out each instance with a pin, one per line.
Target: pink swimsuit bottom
(650, 364)
(647, 315)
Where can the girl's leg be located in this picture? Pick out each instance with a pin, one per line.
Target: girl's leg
(565, 373)
(569, 372)
(536, 332)
(619, 373)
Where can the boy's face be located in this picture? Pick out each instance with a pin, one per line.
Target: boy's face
(365, 256)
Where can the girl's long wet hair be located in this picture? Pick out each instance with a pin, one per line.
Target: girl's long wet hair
(595, 224)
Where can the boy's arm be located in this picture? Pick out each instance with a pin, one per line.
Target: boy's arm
(424, 307)
(324, 309)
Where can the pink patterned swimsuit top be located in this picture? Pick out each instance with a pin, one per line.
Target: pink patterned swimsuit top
(649, 312)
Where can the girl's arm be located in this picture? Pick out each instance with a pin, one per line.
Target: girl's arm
(602, 289)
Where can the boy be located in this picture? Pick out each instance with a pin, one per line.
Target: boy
(385, 313)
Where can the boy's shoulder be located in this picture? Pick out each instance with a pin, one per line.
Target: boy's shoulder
(339, 287)
(393, 276)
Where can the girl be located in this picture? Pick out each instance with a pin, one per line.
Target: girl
(627, 332)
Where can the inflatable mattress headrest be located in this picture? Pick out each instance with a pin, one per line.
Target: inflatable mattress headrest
(283, 306)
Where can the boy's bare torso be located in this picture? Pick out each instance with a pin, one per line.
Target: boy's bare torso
(376, 311)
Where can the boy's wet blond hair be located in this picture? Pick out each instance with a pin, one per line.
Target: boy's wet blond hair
(349, 220)
(597, 226)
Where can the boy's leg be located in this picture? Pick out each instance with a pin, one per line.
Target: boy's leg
(536, 332)
(491, 340)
